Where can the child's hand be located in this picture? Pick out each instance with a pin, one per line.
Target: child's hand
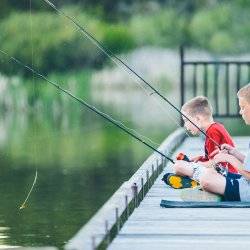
(215, 152)
(228, 148)
(181, 163)
(183, 168)
(196, 158)
(221, 157)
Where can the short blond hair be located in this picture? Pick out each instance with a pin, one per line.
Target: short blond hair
(199, 105)
(244, 92)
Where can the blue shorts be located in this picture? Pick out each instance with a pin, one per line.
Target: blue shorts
(232, 188)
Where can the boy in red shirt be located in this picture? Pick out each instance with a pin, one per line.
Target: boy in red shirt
(199, 111)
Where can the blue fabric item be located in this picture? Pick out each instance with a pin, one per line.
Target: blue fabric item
(204, 204)
(232, 192)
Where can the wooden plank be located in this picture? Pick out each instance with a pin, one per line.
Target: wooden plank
(169, 242)
(93, 233)
(186, 227)
(186, 214)
(208, 228)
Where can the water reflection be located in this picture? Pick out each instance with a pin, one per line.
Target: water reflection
(81, 160)
(3, 236)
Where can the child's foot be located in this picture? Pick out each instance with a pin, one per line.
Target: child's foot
(179, 182)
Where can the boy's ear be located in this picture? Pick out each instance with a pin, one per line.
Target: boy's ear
(198, 118)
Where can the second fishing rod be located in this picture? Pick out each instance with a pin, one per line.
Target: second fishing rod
(87, 105)
(116, 59)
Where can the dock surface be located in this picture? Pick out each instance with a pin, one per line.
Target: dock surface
(153, 227)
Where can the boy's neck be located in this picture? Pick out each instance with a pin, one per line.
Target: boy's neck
(207, 123)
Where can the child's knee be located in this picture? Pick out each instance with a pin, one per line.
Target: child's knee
(179, 169)
(206, 182)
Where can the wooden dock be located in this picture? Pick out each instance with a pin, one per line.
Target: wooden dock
(153, 227)
(133, 219)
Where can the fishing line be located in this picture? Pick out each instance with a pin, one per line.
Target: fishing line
(24, 203)
(116, 59)
(120, 63)
(84, 103)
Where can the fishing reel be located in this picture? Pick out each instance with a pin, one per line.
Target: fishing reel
(221, 170)
(218, 167)
(182, 157)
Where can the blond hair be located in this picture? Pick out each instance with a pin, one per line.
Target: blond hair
(244, 92)
(198, 106)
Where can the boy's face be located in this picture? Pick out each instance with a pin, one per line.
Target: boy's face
(189, 126)
(245, 109)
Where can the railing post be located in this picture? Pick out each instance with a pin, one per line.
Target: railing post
(182, 71)
(157, 168)
(162, 164)
(153, 174)
(117, 220)
(135, 193)
(147, 180)
(126, 205)
(227, 83)
(93, 242)
(107, 232)
(142, 187)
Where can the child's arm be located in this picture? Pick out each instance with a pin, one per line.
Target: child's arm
(245, 173)
(198, 158)
(223, 157)
(207, 164)
(233, 151)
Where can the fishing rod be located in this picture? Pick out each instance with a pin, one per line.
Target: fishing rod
(84, 103)
(29, 193)
(23, 205)
(111, 55)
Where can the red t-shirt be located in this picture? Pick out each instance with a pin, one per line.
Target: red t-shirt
(219, 134)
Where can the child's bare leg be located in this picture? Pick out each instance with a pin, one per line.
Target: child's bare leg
(213, 182)
(192, 170)
(184, 169)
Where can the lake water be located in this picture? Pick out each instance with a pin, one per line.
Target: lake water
(80, 158)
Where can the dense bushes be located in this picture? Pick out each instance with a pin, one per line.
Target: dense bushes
(224, 29)
(58, 46)
(163, 28)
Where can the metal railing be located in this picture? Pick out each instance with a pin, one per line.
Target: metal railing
(219, 80)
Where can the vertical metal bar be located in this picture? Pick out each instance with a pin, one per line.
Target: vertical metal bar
(142, 187)
(147, 180)
(162, 164)
(165, 163)
(227, 88)
(153, 172)
(93, 242)
(126, 205)
(117, 219)
(157, 168)
(205, 76)
(135, 194)
(248, 68)
(107, 232)
(238, 77)
(216, 89)
(182, 79)
(238, 84)
(195, 80)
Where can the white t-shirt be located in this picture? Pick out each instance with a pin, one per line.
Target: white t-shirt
(244, 184)
(247, 160)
